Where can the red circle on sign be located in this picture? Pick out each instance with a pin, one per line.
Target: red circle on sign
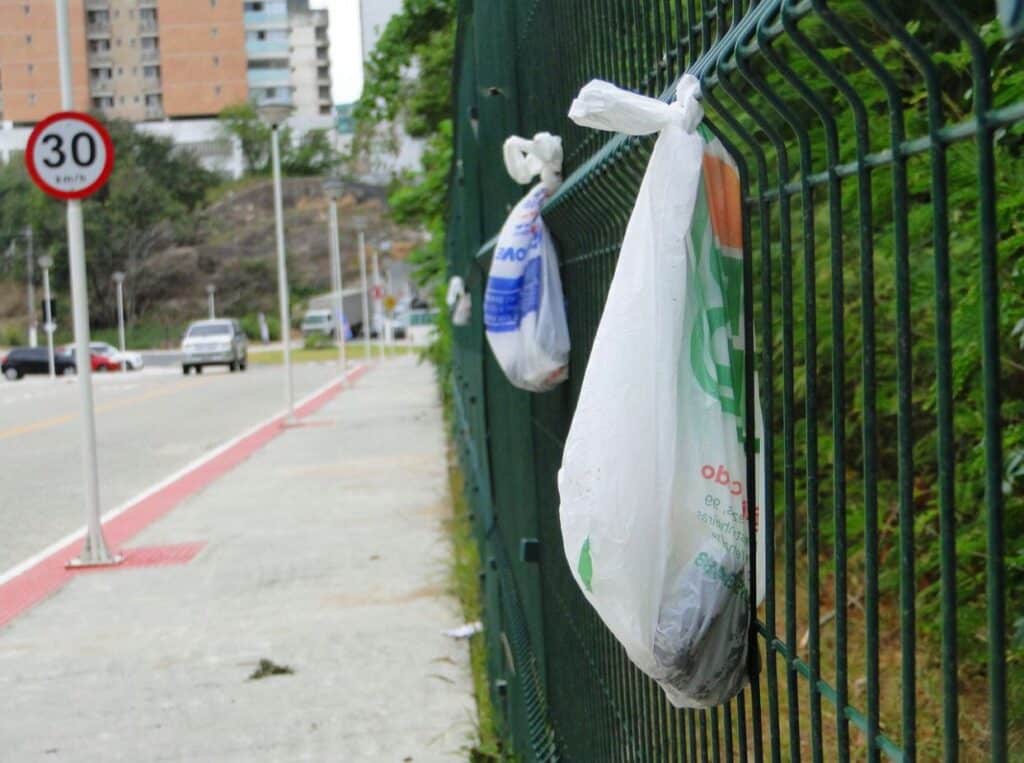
(81, 193)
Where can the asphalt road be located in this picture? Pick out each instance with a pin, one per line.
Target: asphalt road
(149, 425)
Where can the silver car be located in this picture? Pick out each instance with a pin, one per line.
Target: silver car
(218, 342)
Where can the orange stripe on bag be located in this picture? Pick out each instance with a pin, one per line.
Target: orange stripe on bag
(723, 191)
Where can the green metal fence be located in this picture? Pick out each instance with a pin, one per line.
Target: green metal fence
(880, 147)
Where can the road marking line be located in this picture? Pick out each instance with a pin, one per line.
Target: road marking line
(113, 405)
(26, 584)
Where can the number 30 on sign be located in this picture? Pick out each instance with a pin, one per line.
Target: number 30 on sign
(69, 155)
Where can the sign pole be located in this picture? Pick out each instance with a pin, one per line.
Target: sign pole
(95, 551)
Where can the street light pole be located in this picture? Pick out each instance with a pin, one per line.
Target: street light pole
(33, 332)
(378, 307)
(119, 280)
(274, 114)
(45, 263)
(95, 551)
(210, 291)
(366, 306)
(333, 188)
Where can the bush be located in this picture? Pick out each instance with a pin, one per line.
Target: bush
(251, 326)
(12, 335)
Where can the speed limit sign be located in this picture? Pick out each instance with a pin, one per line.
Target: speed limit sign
(69, 155)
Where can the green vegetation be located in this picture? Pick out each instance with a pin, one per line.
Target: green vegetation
(465, 585)
(354, 350)
(424, 34)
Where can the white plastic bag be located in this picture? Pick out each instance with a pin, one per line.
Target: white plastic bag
(524, 312)
(459, 301)
(652, 484)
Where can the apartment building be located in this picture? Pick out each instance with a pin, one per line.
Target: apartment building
(146, 60)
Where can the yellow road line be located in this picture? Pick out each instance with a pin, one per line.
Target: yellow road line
(113, 405)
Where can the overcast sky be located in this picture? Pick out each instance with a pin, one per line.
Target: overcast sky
(346, 48)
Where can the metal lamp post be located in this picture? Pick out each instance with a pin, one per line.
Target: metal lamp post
(378, 305)
(274, 114)
(119, 280)
(360, 223)
(211, 290)
(333, 188)
(46, 263)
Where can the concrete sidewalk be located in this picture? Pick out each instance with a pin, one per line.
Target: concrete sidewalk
(324, 552)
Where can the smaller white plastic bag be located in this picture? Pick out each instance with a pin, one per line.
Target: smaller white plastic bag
(459, 301)
(653, 479)
(524, 311)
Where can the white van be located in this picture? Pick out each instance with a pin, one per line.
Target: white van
(318, 322)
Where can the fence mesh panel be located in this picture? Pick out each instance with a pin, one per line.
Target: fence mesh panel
(880, 149)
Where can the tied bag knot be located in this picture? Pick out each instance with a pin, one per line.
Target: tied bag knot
(604, 106)
(526, 159)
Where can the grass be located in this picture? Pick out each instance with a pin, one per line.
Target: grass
(465, 585)
(353, 351)
(973, 731)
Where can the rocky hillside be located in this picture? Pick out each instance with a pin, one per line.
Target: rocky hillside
(235, 250)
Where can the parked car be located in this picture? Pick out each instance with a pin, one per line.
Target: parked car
(34, 360)
(130, 361)
(318, 322)
(99, 362)
(218, 342)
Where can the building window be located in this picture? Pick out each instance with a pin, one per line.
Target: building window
(32, 98)
(216, 90)
(216, 60)
(261, 35)
(213, 31)
(135, 99)
(122, 100)
(31, 68)
(120, 71)
(150, 71)
(213, 3)
(28, 39)
(28, 9)
(131, 42)
(118, 42)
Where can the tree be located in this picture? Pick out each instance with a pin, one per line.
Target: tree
(312, 154)
(242, 122)
(150, 199)
(408, 81)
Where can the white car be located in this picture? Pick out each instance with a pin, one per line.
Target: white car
(130, 361)
(217, 342)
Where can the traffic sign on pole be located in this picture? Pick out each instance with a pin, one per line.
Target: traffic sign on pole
(69, 155)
